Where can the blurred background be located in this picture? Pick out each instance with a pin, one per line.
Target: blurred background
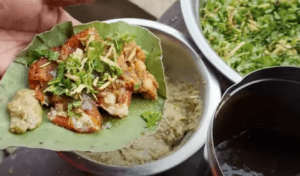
(108, 9)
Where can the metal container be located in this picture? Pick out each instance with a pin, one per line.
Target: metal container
(180, 62)
(267, 99)
(190, 11)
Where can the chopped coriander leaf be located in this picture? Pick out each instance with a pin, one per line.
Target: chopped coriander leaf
(99, 66)
(151, 117)
(49, 54)
(72, 105)
(253, 34)
(54, 81)
(86, 71)
(136, 87)
(77, 103)
(60, 70)
(96, 48)
(67, 83)
(119, 40)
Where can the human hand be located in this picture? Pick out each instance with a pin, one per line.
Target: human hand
(20, 20)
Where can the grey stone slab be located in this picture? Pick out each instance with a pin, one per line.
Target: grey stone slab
(107, 9)
(37, 162)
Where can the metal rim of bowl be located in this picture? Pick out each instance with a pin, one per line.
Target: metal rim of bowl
(190, 11)
(194, 143)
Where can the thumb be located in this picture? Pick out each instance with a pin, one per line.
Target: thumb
(64, 3)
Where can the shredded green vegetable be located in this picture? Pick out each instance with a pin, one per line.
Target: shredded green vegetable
(86, 70)
(72, 105)
(119, 40)
(253, 34)
(49, 54)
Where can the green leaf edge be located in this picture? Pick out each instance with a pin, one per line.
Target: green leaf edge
(40, 41)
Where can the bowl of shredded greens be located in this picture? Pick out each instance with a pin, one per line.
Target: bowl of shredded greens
(241, 36)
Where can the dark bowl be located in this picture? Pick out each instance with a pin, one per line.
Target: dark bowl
(265, 100)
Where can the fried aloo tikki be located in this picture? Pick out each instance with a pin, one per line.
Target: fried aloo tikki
(87, 72)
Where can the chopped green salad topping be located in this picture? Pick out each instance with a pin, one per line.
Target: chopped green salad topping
(72, 105)
(49, 54)
(88, 70)
(253, 34)
(151, 117)
(119, 40)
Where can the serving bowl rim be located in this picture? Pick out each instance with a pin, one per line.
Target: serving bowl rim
(191, 146)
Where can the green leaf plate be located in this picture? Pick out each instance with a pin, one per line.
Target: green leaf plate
(50, 136)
